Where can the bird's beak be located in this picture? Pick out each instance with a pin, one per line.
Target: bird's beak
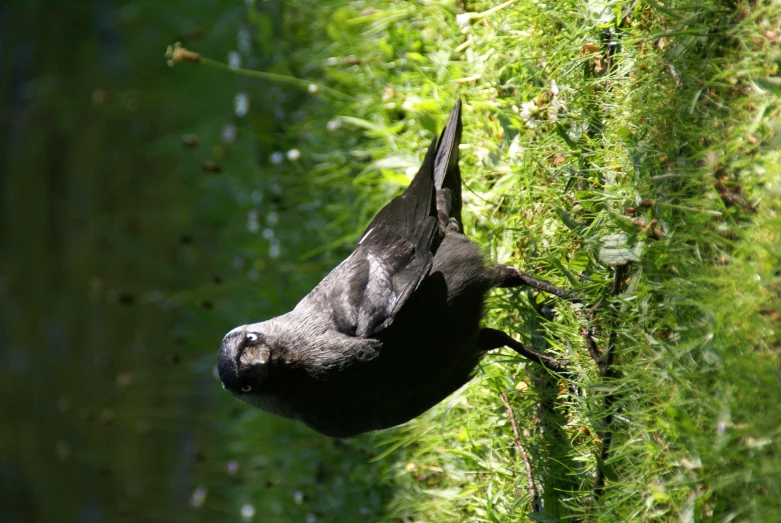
(227, 358)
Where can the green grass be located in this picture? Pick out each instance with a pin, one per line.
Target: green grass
(593, 133)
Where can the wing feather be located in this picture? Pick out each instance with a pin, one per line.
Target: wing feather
(396, 252)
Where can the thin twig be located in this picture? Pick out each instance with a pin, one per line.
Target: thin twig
(604, 361)
(467, 18)
(593, 350)
(276, 77)
(524, 454)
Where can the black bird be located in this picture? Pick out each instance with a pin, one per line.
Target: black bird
(391, 331)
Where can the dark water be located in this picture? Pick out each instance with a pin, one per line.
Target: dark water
(98, 397)
(125, 255)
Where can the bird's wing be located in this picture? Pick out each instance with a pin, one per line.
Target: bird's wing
(396, 252)
(392, 258)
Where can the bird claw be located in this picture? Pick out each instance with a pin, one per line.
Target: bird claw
(512, 277)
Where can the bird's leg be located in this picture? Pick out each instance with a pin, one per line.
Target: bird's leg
(489, 339)
(512, 277)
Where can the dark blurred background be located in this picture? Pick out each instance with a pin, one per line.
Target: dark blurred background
(139, 214)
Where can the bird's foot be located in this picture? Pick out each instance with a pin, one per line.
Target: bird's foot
(493, 339)
(512, 277)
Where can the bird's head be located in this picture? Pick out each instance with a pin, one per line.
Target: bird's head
(243, 361)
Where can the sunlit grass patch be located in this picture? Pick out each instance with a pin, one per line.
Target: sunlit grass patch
(594, 134)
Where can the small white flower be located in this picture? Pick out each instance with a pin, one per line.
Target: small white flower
(228, 133)
(244, 41)
(232, 468)
(554, 88)
(293, 155)
(312, 88)
(252, 221)
(298, 496)
(273, 248)
(234, 60)
(272, 218)
(577, 130)
(557, 110)
(464, 20)
(333, 125)
(247, 512)
(277, 157)
(268, 233)
(241, 105)
(529, 111)
(198, 497)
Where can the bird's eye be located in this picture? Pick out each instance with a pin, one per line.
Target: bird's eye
(246, 388)
(252, 336)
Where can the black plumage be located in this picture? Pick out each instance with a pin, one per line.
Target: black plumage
(393, 329)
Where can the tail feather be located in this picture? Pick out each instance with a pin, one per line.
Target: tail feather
(435, 191)
(447, 175)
